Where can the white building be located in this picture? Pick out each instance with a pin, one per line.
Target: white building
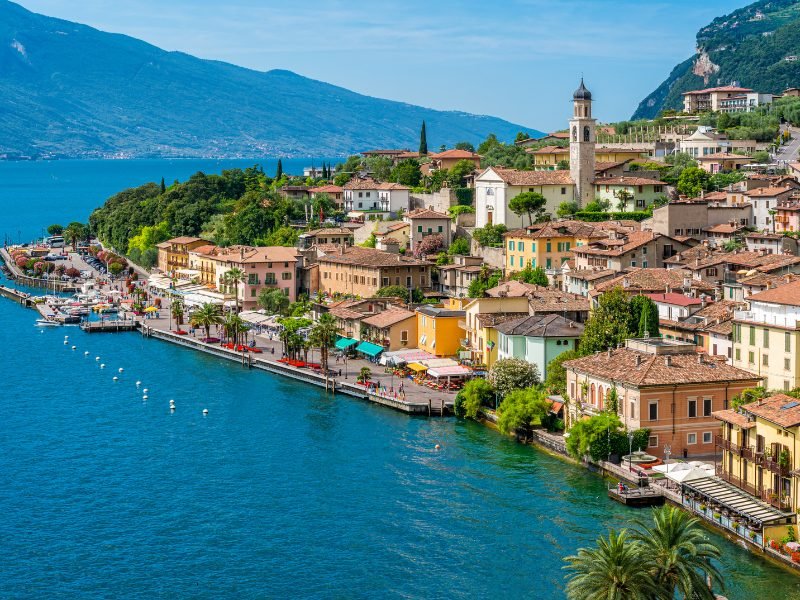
(369, 199)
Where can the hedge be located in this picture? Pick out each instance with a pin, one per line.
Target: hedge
(465, 196)
(596, 217)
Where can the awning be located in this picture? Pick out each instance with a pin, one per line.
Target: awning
(737, 500)
(369, 348)
(345, 343)
(417, 367)
(457, 371)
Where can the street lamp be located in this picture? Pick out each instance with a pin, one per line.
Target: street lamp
(630, 449)
(667, 452)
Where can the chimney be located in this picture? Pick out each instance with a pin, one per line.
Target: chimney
(638, 360)
(241, 252)
(668, 360)
(341, 250)
(703, 301)
(687, 282)
(700, 360)
(609, 353)
(626, 282)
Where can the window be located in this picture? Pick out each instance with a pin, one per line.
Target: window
(419, 230)
(548, 247)
(692, 408)
(511, 261)
(706, 437)
(786, 386)
(787, 341)
(751, 358)
(640, 203)
(286, 276)
(766, 338)
(548, 265)
(652, 441)
(253, 292)
(269, 278)
(440, 229)
(252, 279)
(563, 191)
(764, 360)
(691, 439)
(521, 246)
(404, 336)
(644, 264)
(752, 336)
(707, 407)
(711, 272)
(652, 410)
(787, 364)
(633, 263)
(510, 243)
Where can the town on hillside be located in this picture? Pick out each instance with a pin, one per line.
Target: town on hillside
(633, 283)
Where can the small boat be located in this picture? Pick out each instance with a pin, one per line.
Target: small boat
(45, 323)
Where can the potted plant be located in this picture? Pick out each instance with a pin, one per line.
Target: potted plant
(752, 535)
(717, 515)
(703, 506)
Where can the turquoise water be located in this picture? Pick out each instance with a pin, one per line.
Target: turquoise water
(281, 491)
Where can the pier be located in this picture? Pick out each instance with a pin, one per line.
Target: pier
(110, 326)
(637, 497)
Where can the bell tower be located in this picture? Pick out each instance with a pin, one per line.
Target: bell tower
(581, 145)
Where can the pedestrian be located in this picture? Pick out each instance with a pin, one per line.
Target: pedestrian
(340, 372)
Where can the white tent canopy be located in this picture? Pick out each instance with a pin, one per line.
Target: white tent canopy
(689, 474)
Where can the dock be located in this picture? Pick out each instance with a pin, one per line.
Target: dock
(111, 326)
(637, 497)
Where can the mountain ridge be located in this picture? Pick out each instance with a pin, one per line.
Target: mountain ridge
(752, 46)
(75, 91)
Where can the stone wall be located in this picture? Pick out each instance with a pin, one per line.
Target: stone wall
(439, 201)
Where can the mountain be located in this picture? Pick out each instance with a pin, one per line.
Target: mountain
(69, 90)
(757, 46)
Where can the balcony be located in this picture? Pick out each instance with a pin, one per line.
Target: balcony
(772, 465)
(722, 442)
(759, 317)
(737, 481)
(776, 499)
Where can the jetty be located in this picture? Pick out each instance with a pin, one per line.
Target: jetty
(109, 326)
(637, 497)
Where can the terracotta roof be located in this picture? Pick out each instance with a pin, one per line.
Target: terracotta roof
(455, 154)
(549, 325)
(725, 156)
(715, 196)
(342, 312)
(203, 249)
(652, 280)
(371, 184)
(590, 274)
(733, 417)
(625, 180)
(780, 409)
(769, 279)
(621, 366)
(551, 229)
(724, 228)
(724, 88)
(185, 239)
(494, 319)
(552, 150)
(511, 289)
(788, 294)
(675, 299)
(515, 177)
(701, 257)
(722, 328)
(254, 254)
(618, 246)
(549, 300)
(388, 317)
(370, 257)
(326, 189)
(768, 192)
(601, 166)
(426, 213)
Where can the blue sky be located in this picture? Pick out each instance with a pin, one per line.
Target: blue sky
(516, 59)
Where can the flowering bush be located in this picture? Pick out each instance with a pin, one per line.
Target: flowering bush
(796, 557)
(38, 266)
(72, 272)
(510, 374)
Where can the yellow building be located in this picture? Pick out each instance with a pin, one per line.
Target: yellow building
(394, 328)
(547, 245)
(480, 317)
(440, 329)
(548, 157)
(758, 448)
(766, 337)
(174, 254)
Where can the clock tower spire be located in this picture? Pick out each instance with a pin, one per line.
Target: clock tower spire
(582, 145)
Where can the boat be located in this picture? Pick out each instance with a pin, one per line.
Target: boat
(45, 323)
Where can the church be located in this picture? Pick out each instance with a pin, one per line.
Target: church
(496, 186)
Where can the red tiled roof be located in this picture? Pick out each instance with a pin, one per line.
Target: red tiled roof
(515, 177)
(768, 192)
(788, 294)
(426, 213)
(627, 181)
(780, 409)
(675, 299)
(724, 88)
(455, 154)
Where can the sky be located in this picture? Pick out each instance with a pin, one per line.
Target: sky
(515, 59)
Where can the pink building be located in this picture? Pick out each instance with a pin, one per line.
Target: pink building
(787, 215)
(270, 267)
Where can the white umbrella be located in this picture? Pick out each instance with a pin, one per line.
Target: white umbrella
(672, 467)
(689, 475)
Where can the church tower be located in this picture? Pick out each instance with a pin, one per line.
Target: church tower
(581, 145)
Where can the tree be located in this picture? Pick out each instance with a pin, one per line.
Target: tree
(643, 317)
(234, 276)
(521, 409)
(323, 335)
(430, 244)
(75, 231)
(556, 380)
(475, 394)
(149, 236)
(522, 136)
(364, 374)
(692, 181)
(163, 186)
(279, 170)
(681, 555)
(459, 172)
(177, 309)
(490, 235)
(465, 146)
(612, 570)
(562, 165)
(597, 205)
(567, 209)
(393, 291)
(423, 141)
(293, 342)
(115, 268)
(206, 316)
(55, 229)
(527, 202)
(282, 236)
(609, 324)
(595, 437)
(536, 276)
(407, 173)
(761, 157)
(460, 245)
(509, 374)
(624, 197)
(234, 326)
(274, 301)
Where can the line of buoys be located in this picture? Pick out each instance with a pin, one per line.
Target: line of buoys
(437, 447)
(138, 383)
(172, 405)
(66, 342)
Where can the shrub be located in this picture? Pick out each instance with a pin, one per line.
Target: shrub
(510, 374)
(476, 393)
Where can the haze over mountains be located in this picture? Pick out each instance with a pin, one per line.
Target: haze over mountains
(68, 90)
(757, 46)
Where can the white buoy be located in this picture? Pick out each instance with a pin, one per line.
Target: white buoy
(74, 347)
(66, 337)
(115, 378)
(66, 342)
(86, 353)
(97, 358)
(138, 383)
(437, 446)
(103, 366)
(205, 411)
(144, 397)
(145, 390)
(121, 369)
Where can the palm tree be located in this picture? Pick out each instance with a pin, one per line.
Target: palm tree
(234, 325)
(612, 571)
(73, 233)
(233, 277)
(323, 334)
(206, 316)
(177, 310)
(680, 552)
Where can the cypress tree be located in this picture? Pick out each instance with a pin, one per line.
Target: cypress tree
(279, 171)
(423, 141)
(163, 186)
(325, 174)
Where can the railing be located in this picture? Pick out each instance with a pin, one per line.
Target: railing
(776, 499)
(754, 317)
(774, 466)
(737, 481)
(722, 442)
